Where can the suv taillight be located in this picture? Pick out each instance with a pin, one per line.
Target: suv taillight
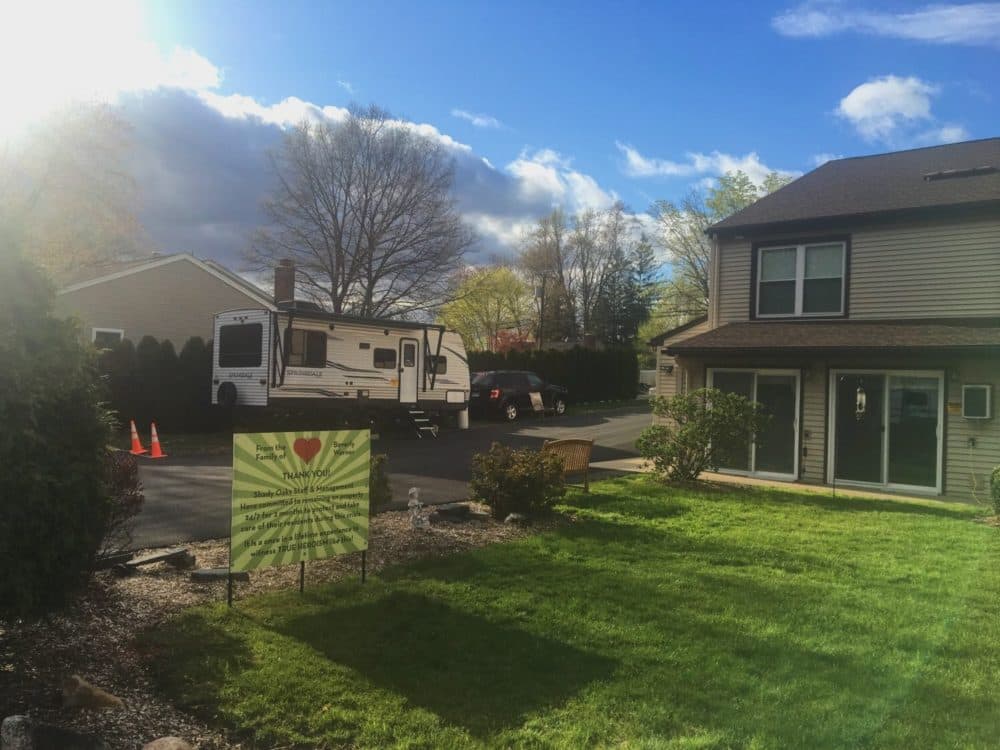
(495, 393)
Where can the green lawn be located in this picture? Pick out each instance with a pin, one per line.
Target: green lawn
(658, 618)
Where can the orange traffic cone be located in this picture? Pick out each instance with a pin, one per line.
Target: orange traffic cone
(137, 449)
(154, 443)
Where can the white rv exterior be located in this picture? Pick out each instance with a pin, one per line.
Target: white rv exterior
(272, 358)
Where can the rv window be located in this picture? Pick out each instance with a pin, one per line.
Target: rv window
(240, 345)
(437, 365)
(409, 355)
(308, 349)
(385, 359)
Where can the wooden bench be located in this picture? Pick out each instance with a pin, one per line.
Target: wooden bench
(575, 453)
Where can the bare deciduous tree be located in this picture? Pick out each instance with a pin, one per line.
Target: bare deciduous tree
(364, 208)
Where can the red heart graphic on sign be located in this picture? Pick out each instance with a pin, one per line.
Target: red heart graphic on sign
(307, 448)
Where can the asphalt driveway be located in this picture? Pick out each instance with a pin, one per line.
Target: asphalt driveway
(188, 499)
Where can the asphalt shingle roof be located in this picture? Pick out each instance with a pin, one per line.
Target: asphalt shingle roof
(878, 184)
(880, 335)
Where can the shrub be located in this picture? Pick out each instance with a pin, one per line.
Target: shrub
(702, 426)
(53, 433)
(121, 477)
(517, 481)
(995, 490)
(379, 489)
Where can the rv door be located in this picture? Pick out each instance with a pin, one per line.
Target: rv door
(408, 371)
(241, 358)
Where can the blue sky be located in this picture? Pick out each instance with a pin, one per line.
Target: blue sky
(549, 103)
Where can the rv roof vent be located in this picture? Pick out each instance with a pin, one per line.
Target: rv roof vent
(952, 174)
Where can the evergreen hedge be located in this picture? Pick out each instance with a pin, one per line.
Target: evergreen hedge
(54, 504)
(589, 374)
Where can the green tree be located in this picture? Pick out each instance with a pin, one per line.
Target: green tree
(54, 505)
(488, 302)
(682, 231)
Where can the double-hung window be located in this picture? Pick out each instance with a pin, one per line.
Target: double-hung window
(801, 280)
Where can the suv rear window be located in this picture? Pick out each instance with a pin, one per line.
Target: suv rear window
(483, 378)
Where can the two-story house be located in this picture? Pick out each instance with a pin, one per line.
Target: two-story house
(860, 305)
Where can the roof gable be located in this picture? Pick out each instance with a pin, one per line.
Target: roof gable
(923, 178)
(127, 268)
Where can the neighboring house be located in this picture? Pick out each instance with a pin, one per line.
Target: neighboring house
(166, 296)
(671, 379)
(861, 306)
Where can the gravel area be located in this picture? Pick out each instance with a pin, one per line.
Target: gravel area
(95, 637)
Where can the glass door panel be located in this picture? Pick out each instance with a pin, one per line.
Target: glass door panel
(913, 430)
(735, 455)
(859, 434)
(775, 451)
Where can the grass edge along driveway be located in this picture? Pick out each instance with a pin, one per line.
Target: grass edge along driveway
(655, 617)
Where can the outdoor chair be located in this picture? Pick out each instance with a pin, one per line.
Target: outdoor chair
(575, 453)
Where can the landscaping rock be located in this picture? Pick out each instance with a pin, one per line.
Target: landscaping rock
(103, 562)
(451, 513)
(182, 562)
(517, 518)
(17, 733)
(168, 743)
(156, 557)
(208, 575)
(21, 733)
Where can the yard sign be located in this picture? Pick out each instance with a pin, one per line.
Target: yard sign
(298, 496)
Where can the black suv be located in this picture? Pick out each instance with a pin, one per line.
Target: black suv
(509, 393)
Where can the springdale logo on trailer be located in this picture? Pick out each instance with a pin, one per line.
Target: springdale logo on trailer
(301, 355)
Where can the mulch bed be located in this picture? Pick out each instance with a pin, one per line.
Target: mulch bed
(95, 637)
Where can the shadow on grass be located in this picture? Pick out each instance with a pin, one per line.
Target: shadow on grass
(196, 686)
(468, 670)
(673, 499)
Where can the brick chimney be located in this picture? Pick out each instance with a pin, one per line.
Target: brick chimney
(284, 281)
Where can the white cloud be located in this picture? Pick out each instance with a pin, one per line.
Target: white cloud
(479, 120)
(696, 164)
(897, 111)
(346, 86)
(819, 160)
(943, 134)
(966, 23)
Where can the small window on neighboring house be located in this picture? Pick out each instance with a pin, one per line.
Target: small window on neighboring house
(437, 365)
(384, 359)
(107, 338)
(308, 348)
(801, 280)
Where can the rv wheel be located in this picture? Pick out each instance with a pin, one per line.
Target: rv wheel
(226, 395)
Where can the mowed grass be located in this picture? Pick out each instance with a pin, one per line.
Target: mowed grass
(655, 618)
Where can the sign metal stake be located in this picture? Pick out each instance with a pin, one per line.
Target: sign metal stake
(302, 576)
(364, 560)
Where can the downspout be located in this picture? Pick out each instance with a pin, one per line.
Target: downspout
(713, 289)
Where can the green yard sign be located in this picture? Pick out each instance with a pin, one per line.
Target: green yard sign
(298, 496)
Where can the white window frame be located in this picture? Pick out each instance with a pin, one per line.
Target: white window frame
(797, 447)
(95, 331)
(800, 279)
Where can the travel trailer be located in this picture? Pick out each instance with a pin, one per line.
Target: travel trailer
(299, 355)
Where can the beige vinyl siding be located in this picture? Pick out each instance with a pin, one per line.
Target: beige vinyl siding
(734, 281)
(928, 270)
(931, 271)
(812, 467)
(671, 384)
(173, 301)
(967, 469)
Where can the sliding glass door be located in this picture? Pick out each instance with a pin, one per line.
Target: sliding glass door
(886, 428)
(773, 452)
